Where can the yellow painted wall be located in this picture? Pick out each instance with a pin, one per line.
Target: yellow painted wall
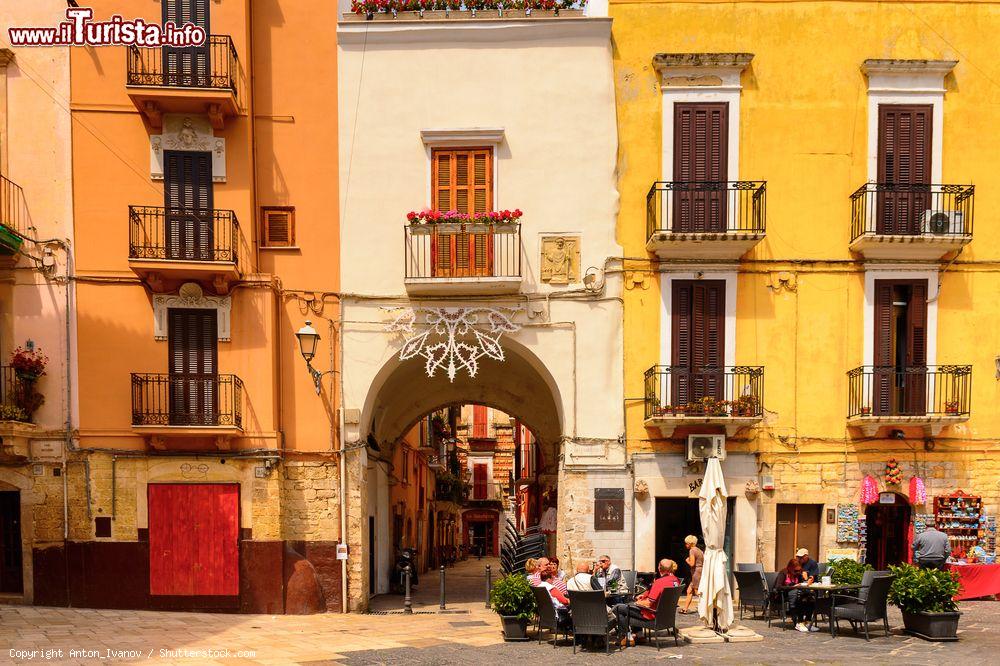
(803, 129)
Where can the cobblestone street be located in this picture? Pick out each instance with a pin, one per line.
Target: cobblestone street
(467, 633)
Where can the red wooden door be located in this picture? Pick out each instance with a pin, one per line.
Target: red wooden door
(479, 481)
(194, 539)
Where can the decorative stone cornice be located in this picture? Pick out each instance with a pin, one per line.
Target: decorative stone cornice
(663, 61)
(699, 70)
(896, 66)
(460, 135)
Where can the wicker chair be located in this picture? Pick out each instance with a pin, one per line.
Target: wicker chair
(873, 608)
(590, 617)
(753, 591)
(666, 615)
(628, 575)
(547, 618)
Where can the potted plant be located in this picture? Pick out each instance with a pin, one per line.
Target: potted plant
(951, 407)
(926, 599)
(847, 572)
(28, 364)
(866, 411)
(513, 601)
(745, 405)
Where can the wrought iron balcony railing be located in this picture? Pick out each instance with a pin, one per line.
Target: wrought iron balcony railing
(17, 396)
(711, 207)
(196, 400)
(677, 391)
(183, 234)
(13, 212)
(886, 209)
(927, 390)
(453, 250)
(212, 65)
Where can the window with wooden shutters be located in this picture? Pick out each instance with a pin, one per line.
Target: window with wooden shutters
(900, 372)
(190, 65)
(480, 427)
(904, 167)
(697, 340)
(479, 473)
(193, 342)
(701, 134)
(187, 200)
(278, 226)
(462, 181)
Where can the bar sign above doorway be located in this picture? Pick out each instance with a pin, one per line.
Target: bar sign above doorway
(609, 509)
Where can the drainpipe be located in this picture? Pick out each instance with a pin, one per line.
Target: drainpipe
(343, 457)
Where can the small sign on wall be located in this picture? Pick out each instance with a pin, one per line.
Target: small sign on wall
(341, 551)
(609, 509)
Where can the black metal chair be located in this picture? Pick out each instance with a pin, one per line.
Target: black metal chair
(666, 615)
(750, 566)
(590, 617)
(753, 591)
(873, 608)
(547, 618)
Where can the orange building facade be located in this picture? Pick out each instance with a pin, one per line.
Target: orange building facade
(204, 204)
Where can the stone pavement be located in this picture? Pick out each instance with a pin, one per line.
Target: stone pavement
(467, 634)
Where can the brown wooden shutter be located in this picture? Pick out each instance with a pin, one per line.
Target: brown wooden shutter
(698, 340)
(700, 158)
(187, 198)
(193, 343)
(883, 377)
(904, 160)
(479, 481)
(278, 224)
(191, 65)
(915, 386)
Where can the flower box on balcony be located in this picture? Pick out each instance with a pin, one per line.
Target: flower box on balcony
(10, 241)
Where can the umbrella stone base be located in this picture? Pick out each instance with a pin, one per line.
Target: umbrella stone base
(740, 634)
(701, 635)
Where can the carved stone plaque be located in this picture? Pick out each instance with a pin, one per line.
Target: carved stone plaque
(187, 133)
(560, 259)
(609, 509)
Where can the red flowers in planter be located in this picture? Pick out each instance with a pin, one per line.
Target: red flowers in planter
(29, 362)
(453, 216)
(387, 6)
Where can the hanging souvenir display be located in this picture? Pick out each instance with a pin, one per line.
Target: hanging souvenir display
(918, 493)
(869, 490)
(847, 523)
(893, 474)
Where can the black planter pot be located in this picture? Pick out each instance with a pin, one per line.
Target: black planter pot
(932, 626)
(514, 628)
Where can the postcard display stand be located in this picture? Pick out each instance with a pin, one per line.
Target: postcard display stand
(960, 516)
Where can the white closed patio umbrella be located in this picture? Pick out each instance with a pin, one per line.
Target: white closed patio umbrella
(716, 602)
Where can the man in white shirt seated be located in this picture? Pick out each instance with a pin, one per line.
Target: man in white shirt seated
(583, 581)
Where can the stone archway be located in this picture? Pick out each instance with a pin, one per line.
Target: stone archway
(401, 393)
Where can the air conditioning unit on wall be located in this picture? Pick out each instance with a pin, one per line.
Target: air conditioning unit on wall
(943, 222)
(703, 447)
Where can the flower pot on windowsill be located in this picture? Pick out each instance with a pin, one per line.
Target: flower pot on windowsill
(514, 628)
(932, 626)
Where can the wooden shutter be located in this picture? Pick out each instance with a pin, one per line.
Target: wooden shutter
(915, 384)
(480, 427)
(187, 197)
(193, 342)
(194, 539)
(698, 340)
(700, 159)
(278, 226)
(479, 481)
(462, 180)
(884, 371)
(191, 65)
(904, 160)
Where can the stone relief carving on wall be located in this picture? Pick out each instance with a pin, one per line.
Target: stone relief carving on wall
(187, 133)
(560, 259)
(190, 295)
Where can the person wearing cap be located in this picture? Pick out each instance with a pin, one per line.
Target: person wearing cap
(810, 567)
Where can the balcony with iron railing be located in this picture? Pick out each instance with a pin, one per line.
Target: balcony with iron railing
(184, 243)
(462, 258)
(13, 217)
(730, 397)
(199, 79)
(705, 220)
(911, 221)
(928, 396)
(18, 401)
(187, 405)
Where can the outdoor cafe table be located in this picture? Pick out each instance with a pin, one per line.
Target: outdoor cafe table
(819, 587)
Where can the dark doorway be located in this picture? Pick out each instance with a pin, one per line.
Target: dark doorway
(797, 526)
(481, 538)
(888, 531)
(676, 517)
(11, 573)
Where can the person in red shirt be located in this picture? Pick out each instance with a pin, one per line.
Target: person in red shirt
(643, 611)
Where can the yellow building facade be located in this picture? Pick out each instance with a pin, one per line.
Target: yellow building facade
(831, 299)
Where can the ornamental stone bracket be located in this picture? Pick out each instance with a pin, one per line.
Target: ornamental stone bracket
(187, 134)
(190, 295)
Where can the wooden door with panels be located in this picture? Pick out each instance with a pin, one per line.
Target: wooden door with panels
(697, 340)
(797, 526)
(701, 135)
(899, 381)
(462, 181)
(187, 199)
(904, 167)
(189, 66)
(194, 380)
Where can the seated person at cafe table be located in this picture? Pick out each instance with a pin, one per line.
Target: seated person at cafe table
(535, 577)
(643, 611)
(610, 578)
(559, 599)
(558, 576)
(800, 602)
(583, 581)
(810, 567)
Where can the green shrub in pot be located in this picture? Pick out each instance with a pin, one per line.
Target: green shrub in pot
(847, 572)
(926, 599)
(513, 600)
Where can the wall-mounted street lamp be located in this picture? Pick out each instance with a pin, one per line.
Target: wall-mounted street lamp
(308, 340)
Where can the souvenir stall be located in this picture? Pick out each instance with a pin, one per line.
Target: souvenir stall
(972, 536)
